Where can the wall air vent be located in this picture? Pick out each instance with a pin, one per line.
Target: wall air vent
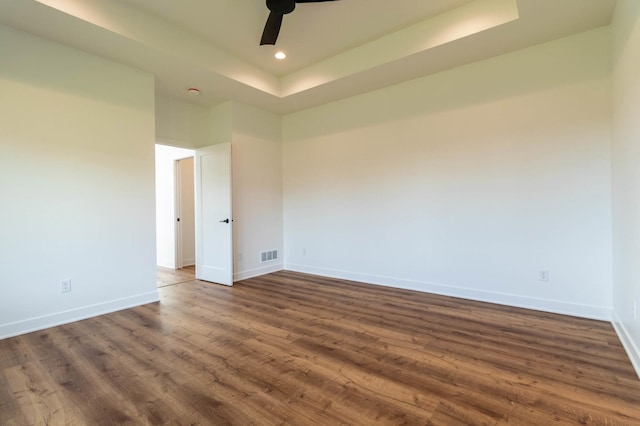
(268, 256)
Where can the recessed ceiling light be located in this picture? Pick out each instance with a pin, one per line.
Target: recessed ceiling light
(280, 55)
(193, 91)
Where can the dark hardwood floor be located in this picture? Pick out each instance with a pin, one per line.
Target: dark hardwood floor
(288, 348)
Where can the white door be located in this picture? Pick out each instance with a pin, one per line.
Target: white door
(214, 243)
(185, 213)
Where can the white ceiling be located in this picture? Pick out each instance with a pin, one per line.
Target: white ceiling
(335, 49)
(311, 33)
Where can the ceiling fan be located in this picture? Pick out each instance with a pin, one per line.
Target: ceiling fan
(278, 9)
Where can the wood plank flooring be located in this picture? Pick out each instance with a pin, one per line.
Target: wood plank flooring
(168, 276)
(289, 348)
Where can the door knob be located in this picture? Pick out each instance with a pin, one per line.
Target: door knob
(225, 221)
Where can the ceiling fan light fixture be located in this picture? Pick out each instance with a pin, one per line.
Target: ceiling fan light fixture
(277, 10)
(280, 55)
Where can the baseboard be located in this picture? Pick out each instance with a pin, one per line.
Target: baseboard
(602, 313)
(628, 343)
(188, 262)
(65, 317)
(166, 264)
(251, 273)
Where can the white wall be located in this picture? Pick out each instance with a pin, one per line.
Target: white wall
(181, 124)
(77, 183)
(465, 183)
(220, 124)
(166, 203)
(626, 175)
(257, 189)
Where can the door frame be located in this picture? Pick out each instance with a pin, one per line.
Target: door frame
(179, 217)
(177, 204)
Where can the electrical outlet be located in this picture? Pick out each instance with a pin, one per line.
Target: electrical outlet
(65, 286)
(543, 275)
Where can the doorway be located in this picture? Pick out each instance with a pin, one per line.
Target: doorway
(185, 213)
(175, 229)
(202, 177)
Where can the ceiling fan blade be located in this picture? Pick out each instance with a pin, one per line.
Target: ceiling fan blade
(271, 29)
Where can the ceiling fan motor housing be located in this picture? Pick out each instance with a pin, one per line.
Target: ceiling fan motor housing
(282, 7)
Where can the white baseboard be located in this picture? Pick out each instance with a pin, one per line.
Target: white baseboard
(188, 262)
(166, 264)
(65, 317)
(251, 273)
(602, 313)
(627, 341)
